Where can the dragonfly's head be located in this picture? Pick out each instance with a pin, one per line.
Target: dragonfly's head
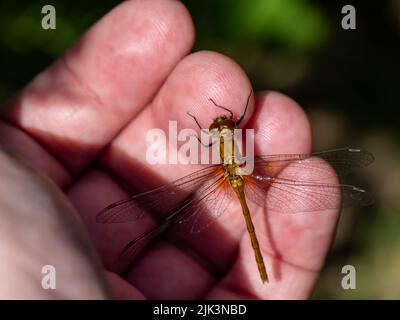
(221, 125)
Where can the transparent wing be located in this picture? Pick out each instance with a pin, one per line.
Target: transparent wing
(304, 183)
(206, 209)
(343, 161)
(162, 200)
(135, 246)
(194, 214)
(279, 195)
(283, 183)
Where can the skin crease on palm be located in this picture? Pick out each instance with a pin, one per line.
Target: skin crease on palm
(72, 134)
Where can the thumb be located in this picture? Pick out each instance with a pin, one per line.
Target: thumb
(38, 229)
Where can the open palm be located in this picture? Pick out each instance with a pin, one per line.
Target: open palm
(83, 124)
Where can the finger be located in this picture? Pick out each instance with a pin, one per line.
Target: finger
(166, 272)
(21, 144)
(280, 125)
(121, 289)
(197, 78)
(76, 106)
(294, 246)
(194, 81)
(40, 232)
(164, 264)
(90, 194)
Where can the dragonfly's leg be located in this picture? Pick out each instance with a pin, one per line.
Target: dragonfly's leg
(245, 109)
(195, 119)
(222, 107)
(203, 130)
(203, 144)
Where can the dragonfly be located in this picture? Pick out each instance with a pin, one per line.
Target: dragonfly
(283, 183)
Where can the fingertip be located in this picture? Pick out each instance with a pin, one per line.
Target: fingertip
(199, 77)
(79, 104)
(280, 124)
(138, 42)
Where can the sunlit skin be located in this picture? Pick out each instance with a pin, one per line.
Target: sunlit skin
(81, 122)
(203, 193)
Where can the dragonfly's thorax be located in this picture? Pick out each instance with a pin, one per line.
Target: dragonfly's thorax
(223, 128)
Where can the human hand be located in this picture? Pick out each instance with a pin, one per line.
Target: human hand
(83, 122)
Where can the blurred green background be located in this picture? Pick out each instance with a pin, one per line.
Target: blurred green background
(347, 80)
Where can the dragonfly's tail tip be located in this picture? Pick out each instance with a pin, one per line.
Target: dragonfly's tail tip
(265, 280)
